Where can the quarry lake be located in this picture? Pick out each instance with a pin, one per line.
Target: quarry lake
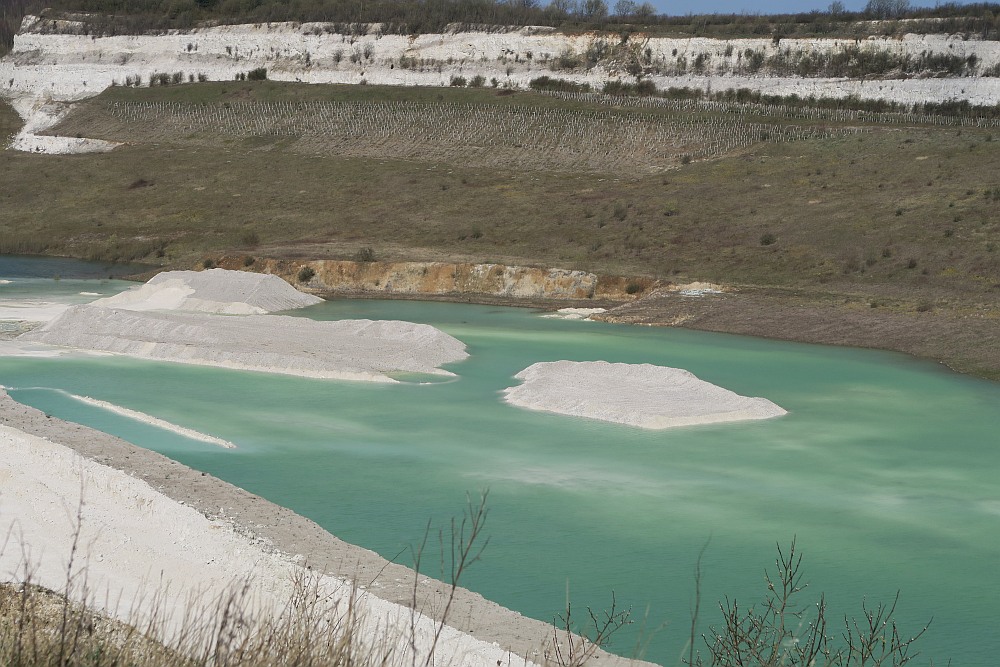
(884, 471)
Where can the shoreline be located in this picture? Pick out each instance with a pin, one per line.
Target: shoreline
(968, 344)
(286, 532)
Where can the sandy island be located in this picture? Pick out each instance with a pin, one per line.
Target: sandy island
(643, 395)
(180, 316)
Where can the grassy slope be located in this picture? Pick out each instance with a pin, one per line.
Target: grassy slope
(898, 218)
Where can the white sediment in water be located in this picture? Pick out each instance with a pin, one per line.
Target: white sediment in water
(347, 349)
(212, 291)
(643, 395)
(31, 310)
(152, 421)
(148, 556)
(575, 313)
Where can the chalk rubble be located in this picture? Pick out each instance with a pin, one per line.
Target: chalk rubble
(644, 395)
(212, 291)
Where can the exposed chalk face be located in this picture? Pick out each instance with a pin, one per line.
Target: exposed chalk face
(212, 291)
(644, 395)
(45, 67)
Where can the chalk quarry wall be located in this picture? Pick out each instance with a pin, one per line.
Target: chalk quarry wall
(49, 64)
(448, 279)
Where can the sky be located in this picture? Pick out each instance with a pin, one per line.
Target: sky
(681, 7)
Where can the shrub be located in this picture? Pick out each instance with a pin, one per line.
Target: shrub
(458, 81)
(633, 287)
(305, 274)
(366, 254)
(477, 81)
(783, 631)
(567, 59)
(207, 263)
(249, 239)
(560, 85)
(259, 74)
(767, 238)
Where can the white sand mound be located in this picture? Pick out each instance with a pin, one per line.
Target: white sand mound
(635, 394)
(350, 349)
(212, 291)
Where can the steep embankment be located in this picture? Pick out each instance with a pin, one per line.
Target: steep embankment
(333, 277)
(50, 64)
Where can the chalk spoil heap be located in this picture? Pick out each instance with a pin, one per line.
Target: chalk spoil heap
(644, 395)
(212, 291)
(348, 349)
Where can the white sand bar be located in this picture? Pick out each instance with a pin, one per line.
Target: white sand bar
(349, 350)
(212, 291)
(152, 421)
(643, 395)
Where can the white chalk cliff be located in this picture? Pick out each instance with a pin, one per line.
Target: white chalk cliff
(49, 67)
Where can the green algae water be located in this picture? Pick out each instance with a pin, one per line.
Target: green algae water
(884, 471)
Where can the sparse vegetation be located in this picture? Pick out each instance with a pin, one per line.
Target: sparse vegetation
(249, 239)
(781, 630)
(366, 254)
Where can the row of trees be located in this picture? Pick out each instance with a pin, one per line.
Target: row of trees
(11, 13)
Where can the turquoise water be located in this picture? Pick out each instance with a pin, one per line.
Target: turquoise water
(884, 470)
